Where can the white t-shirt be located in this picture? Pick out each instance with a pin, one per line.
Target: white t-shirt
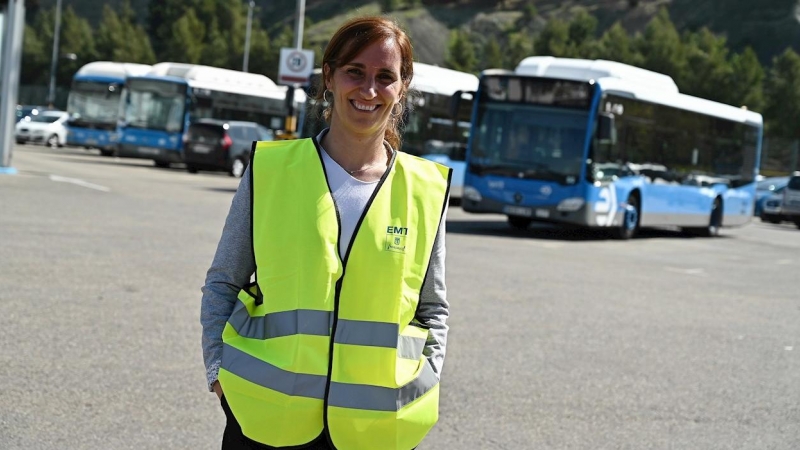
(351, 196)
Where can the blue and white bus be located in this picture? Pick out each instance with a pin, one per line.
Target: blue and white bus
(430, 130)
(158, 107)
(604, 144)
(93, 103)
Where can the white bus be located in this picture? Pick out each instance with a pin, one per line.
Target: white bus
(93, 103)
(158, 107)
(604, 144)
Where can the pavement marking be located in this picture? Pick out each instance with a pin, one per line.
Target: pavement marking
(696, 272)
(78, 182)
(783, 262)
(788, 348)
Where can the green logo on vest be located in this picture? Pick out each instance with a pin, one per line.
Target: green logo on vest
(396, 239)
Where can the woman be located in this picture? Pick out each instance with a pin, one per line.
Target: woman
(339, 342)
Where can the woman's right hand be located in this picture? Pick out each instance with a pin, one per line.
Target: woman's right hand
(217, 389)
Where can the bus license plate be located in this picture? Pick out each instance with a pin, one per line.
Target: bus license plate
(518, 211)
(148, 151)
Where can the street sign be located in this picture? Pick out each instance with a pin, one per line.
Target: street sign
(296, 66)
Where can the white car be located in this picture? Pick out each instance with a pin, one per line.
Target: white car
(47, 127)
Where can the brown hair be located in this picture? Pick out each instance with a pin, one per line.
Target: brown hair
(349, 41)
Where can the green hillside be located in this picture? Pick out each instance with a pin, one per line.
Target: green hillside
(768, 26)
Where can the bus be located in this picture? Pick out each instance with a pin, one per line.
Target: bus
(594, 143)
(93, 103)
(429, 128)
(158, 107)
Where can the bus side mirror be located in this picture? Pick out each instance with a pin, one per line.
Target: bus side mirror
(606, 129)
(455, 102)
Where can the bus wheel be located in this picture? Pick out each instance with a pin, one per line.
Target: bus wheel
(630, 220)
(797, 224)
(161, 164)
(714, 221)
(106, 152)
(519, 223)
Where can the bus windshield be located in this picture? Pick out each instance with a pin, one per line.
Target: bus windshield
(94, 102)
(155, 105)
(527, 141)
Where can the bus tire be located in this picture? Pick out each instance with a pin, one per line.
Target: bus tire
(106, 152)
(630, 220)
(714, 222)
(797, 224)
(191, 169)
(161, 164)
(519, 223)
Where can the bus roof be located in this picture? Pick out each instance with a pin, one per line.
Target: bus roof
(630, 81)
(225, 80)
(110, 71)
(587, 69)
(439, 80)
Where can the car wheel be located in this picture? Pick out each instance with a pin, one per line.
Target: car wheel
(52, 141)
(519, 223)
(237, 167)
(20, 142)
(191, 169)
(797, 224)
(630, 220)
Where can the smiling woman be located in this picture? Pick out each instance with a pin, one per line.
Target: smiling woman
(340, 340)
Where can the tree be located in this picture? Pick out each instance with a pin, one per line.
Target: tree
(582, 28)
(186, 43)
(747, 80)
(661, 47)
(460, 52)
(616, 45)
(520, 47)
(709, 70)
(390, 5)
(553, 40)
(120, 39)
(782, 95)
(76, 38)
(161, 17)
(492, 56)
(35, 68)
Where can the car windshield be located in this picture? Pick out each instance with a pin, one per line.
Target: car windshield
(45, 118)
(771, 184)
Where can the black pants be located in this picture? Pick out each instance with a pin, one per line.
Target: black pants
(234, 439)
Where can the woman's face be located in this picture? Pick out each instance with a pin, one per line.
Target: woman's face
(366, 89)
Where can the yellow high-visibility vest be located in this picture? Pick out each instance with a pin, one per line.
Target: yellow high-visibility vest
(320, 345)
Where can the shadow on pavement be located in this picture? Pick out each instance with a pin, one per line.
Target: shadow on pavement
(553, 232)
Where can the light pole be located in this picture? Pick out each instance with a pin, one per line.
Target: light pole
(51, 94)
(247, 36)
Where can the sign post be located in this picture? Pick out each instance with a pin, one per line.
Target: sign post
(294, 70)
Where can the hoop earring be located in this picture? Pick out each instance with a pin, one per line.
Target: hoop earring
(397, 114)
(325, 97)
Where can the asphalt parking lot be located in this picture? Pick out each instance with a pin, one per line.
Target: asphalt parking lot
(559, 340)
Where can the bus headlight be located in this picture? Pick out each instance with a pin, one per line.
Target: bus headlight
(470, 193)
(571, 204)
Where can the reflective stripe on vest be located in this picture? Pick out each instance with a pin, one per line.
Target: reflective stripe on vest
(377, 390)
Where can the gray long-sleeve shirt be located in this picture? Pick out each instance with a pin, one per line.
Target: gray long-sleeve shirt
(233, 268)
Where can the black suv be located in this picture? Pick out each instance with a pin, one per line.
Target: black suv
(225, 145)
